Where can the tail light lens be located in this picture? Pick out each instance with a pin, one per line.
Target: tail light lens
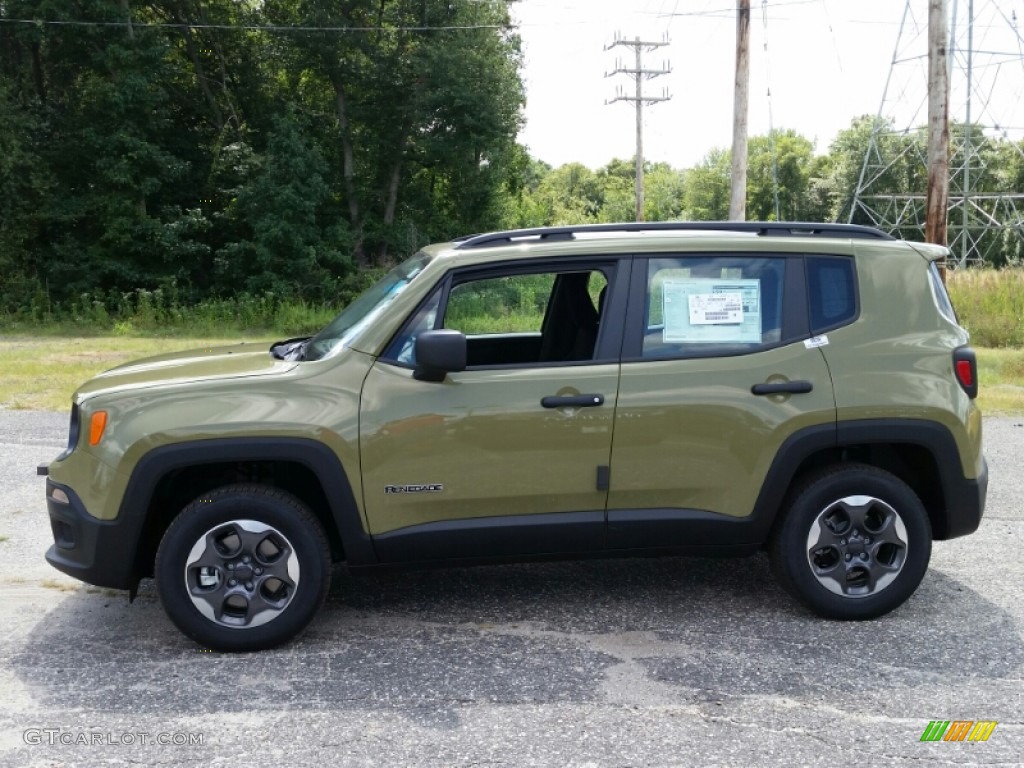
(965, 367)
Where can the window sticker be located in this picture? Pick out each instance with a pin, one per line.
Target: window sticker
(712, 311)
(716, 308)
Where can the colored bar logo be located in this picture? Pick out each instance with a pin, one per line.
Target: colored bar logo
(958, 730)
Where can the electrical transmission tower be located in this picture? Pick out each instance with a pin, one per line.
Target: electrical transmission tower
(985, 213)
(639, 75)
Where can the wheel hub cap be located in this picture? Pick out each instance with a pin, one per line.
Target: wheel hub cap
(857, 546)
(242, 574)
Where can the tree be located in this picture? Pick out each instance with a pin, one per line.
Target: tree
(706, 194)
(283, 204)
(144, 144)
(778, 163)
(571, 194)
(664, 193)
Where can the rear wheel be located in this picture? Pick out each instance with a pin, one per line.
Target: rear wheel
(243, 568)
(854, 543)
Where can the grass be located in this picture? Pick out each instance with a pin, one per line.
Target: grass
(168, 312)
(990, 304)
(45, 360)
(41, 373)
(1001, 380)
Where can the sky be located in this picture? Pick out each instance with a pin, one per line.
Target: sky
(815, 66)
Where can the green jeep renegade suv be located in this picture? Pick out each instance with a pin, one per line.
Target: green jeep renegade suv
(622, 390)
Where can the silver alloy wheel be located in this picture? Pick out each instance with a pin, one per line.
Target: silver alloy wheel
(242, 574)
(857, 546)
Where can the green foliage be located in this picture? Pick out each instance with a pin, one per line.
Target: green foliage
(168, 144)
(159, 313)
(500, 305)
(282, 204)
(166, 150)
(664, 193)
(990, 304)
(778, 164)
(706, 195)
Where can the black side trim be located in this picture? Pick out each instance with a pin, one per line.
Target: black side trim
(317, 457)
(677, 529)
(494, 537)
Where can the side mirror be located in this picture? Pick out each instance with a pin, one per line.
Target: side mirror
(439, 353)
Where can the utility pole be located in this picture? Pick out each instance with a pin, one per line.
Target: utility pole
(738, 198)
(639, 75)
(937, 197)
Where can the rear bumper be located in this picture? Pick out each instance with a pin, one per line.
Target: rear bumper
(100, 552)
(965, 505)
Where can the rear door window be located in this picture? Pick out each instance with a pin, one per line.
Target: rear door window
(712, 305)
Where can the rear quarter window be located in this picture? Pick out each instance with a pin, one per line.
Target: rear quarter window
(832, 292)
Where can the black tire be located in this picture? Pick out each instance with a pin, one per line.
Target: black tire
(243, 568)
(853, 543)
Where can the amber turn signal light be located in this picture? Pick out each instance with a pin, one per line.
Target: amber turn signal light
(97, 424)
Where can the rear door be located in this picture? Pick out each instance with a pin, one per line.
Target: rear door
(510, 456)
(718, 370)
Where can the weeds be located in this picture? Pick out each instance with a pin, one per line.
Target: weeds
(990, 304)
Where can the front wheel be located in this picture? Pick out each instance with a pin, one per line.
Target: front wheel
(854, 542)
(243, 568)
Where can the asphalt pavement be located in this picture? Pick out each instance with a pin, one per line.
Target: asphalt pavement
(603, 663)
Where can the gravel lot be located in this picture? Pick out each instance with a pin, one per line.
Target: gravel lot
(629, 663)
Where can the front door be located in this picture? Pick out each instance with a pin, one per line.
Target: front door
(510, 456)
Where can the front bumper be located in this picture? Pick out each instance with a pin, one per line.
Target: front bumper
(100, 552)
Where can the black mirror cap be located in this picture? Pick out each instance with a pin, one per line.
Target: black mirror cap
(439, 353)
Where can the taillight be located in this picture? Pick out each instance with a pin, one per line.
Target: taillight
(965, 366)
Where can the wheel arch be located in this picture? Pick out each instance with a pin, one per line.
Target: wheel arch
(169, 477)
(922, 454)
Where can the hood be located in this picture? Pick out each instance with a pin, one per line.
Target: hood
(193, 365)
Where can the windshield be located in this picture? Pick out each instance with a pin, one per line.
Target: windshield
(365, 309)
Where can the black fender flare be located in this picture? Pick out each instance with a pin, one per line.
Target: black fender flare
(963, 498)
(315, 456)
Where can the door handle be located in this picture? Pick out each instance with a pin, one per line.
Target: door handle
(572, 401)
(798, 387)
